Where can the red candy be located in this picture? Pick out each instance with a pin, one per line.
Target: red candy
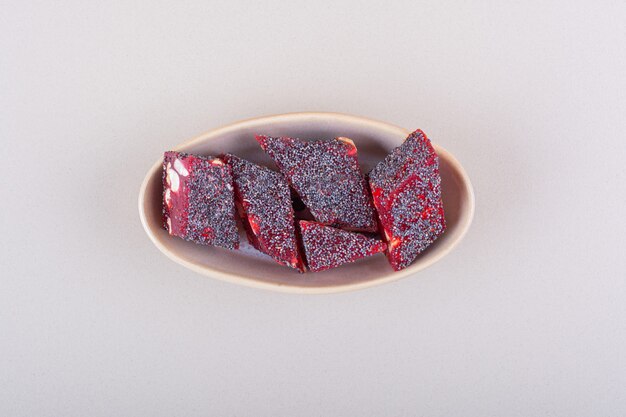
(198, 200)
(406, 189)
(202, 194)
(264, 203)
(327, 177)
(326, 247)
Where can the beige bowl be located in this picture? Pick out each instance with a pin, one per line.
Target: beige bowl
(246, 266)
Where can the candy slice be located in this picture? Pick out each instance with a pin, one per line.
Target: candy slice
(326, 247)
(263, 200)
(406, 188)
(327, 177)
(198, 200)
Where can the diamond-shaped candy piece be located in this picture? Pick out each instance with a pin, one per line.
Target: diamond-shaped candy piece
(327, 177)
(264, 203)
(406, 189)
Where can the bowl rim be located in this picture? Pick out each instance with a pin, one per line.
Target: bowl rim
(250, 282)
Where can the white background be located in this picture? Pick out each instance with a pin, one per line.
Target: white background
(525, 318)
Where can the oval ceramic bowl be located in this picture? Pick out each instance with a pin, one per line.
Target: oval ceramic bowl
(246, 266)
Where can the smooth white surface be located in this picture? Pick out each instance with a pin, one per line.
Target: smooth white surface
(524, 318)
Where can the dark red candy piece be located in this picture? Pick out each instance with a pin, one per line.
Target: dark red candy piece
(263, 200)
(326, 247)
(327, 177)
(406, 188)
(198, 200)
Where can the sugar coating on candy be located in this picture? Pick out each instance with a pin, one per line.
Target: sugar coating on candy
(406, 189)
(326, 175)
(198, 200)
(264, 203)
(326, 247)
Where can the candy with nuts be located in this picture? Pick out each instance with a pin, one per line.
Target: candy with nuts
(339, 217)
(406, 188)
(264, 205)
(198, 202)
(327, 177)
(326, 247)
